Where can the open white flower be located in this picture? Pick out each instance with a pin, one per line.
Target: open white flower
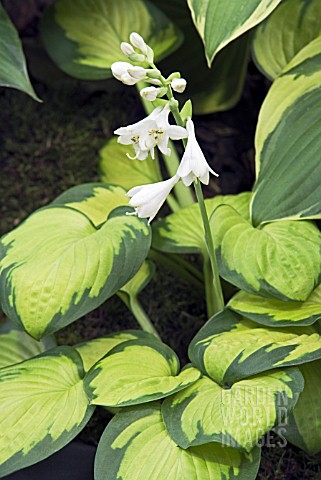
(193, 164)
(148, 199)
(128, 73)
(150, 132)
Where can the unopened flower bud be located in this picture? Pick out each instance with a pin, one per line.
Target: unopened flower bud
(137, 57)
(151, 93)
(139, 73)
(178, 85)
(138, 42)
(127, 49)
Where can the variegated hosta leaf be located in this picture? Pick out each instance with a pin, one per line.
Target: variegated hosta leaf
(276, 313)
(137, 371)
(16, 345)
(116, 167)
(304, 425)
(229, 348)
(293, 25)
(57, 266)
(237, 416)
(13, 69)
(95, 200)
(280, 260)
(219, 22)
(288, 143)
(93, 350)
(89, 33)
(183, 231)
(136, 446)
(43, 407)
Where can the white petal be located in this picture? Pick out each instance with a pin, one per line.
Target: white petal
(148, 199)
(150, 93)
(138, 42)
(127, 49)
(178, 85)
(139, 73)
(176, 133)
(120, 68)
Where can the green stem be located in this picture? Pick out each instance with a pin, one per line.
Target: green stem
(183, 194)
(218, 300)
(180, 269)
(137, 310)
(209, 286)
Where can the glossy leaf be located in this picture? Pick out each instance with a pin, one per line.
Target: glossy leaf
(218, 22)
(237, 416)
(276, 313)
(57, 266)
(93, 350)
(83, 36)
(175, 235)
(137, 371)
(304, 425)
(280, 260)
(288, 143)
(16, 345)
(136, 445)
(293, 25)
(95, 200)
(229, 348)
(116, 167)
(43, 407)
(13, 69)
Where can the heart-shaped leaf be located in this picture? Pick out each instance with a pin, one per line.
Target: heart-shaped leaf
(57, 266)
(13, 69)
(175, 235)
(219, 22)
(89, 34)
(288, 143)
(93, 350)
(116, 167)
(95, 200)
(136, 446)
(229, 348)
(239, 416)
(304, 425)
(276, 313)
(293, 25)
(43, 407)
(280, 260)
(137, 371)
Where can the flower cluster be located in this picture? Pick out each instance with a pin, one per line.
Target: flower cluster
(156, 131)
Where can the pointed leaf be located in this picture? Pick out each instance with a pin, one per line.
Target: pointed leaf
(57, 266)
(218, 22)
(16, 345)
(93, 350)
(237, 416)
(13, 69)
(288, 143)
(229, 348)
(43, 407)
(293, 25)
(304, 425)
(276, 313)
(137, 371)
(95, 200)
(116, 167)
(136, 446)
(84, 38)
(280, 260)
(175, 235)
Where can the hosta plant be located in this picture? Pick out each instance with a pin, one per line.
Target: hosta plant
(254, 365)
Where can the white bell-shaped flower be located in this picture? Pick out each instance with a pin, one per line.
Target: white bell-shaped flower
(150, 132)
(193, 164)
(148, 199)
(128, 73)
